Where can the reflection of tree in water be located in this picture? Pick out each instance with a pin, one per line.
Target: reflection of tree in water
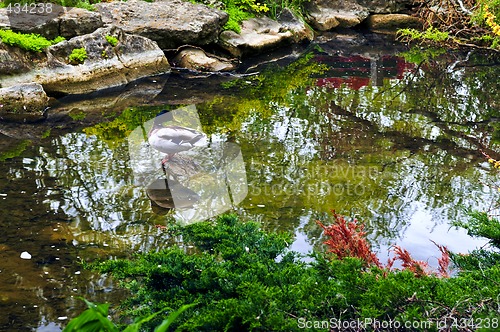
(422, 134)
(40, 289)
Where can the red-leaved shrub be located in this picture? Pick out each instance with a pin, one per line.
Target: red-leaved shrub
(347, 239)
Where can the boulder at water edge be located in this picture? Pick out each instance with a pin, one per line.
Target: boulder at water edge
(171, 23)
(262, 33)
(390, 23)
(328, 14)
(105, 66)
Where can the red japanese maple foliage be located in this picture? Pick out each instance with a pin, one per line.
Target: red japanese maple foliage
(347, 239)
(419, 268)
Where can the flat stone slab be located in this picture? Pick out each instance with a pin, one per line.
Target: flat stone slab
(171, 23)
(390, 23)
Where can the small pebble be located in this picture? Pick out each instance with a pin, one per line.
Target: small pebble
(25, 255)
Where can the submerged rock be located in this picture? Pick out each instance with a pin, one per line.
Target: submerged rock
(52, 21)
(23, 103)
(171, 23)
(390, 23)
(105, 66)
(263, 33)
(195, 58)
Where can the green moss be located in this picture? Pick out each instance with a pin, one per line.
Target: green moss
(113, 41)
(30, 42)
(78, 55)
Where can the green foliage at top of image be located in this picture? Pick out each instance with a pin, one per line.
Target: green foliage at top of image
(29, 42)
(246, 279)
(95, 318)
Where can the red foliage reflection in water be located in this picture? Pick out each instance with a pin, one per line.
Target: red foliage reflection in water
(357, 71)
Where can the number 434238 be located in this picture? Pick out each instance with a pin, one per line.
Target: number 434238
(32, 8)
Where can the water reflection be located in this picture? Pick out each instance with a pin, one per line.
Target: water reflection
(369, 135)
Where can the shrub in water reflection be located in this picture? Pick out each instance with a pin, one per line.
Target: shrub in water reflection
(245, 279)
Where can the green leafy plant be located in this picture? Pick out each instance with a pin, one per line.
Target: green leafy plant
(246, 279)
(29, 42)
(113, 41)
(78, 55)
(95, 318)
(431, 34)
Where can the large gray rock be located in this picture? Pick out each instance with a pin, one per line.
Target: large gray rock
(58, 21)
(171, 23)
(13, 60)
(328, 14)
(106, 66)
(262, 33)
(23, 103)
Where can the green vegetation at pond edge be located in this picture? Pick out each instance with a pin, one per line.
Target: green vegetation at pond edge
(472, 23)
(95, 318)
(245, 279)
(29, 42)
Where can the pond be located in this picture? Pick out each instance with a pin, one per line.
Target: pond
(352, 123)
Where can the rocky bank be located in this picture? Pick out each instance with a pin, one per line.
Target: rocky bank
(145, 32)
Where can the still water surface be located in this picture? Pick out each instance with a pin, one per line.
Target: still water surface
(350, 125)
